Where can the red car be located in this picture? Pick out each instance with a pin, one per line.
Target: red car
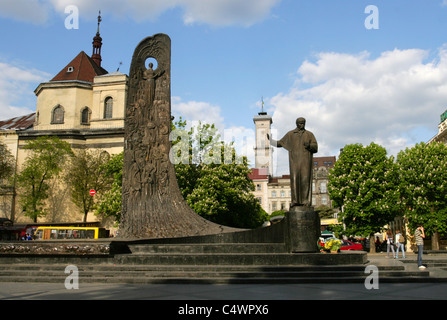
(348, 245)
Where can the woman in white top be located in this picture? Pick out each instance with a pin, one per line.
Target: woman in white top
(400, 245)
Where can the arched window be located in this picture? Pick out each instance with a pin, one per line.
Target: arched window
(85, 115)
(57, 116)
(108, 108)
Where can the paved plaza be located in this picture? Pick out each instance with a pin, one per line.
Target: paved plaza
(431, 290)
(386, 291)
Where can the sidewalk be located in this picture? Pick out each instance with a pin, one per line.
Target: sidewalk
(410, 262)
(234, 292)
(386, 291)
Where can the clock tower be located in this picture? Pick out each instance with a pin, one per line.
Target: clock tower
(263, 150)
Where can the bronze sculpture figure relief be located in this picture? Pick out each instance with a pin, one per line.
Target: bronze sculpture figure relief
(301, 145)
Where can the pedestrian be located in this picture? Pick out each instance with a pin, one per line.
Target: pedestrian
(400, 240)
(419, 236)
(378, 244)
(389, 243)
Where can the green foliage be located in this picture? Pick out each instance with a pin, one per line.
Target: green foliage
(325, 212)
(87, 171)
(213, 179)
(6, 163)
(277, 213)
(363, 183)
(109, 204)
(423, 186)
(222, 195)
(46, 160)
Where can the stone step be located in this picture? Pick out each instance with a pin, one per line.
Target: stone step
(237, 259)
(208, 248)
(200, 274)
(173, 268)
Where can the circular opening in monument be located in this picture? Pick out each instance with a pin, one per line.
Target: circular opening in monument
(154, 63)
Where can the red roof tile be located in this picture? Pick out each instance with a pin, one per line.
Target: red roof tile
(80, 68)
(257, 174)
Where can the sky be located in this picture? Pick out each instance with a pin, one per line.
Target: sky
(358, 71)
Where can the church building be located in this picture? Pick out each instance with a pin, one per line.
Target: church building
(83, 105)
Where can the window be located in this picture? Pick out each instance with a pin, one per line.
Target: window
(283, 193)
(108, 108)
(273, 194)
(57, 116)
(85, 116)
(323, 188)
(258, 187)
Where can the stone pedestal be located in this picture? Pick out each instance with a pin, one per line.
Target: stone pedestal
(303, 229)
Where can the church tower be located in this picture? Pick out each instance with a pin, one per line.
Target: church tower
(97, 44)
(263, 150)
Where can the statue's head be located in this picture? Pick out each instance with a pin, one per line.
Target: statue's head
(300, 123)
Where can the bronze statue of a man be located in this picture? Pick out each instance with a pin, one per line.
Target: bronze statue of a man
(301, 145)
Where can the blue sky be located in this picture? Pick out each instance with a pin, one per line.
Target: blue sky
(306, 58)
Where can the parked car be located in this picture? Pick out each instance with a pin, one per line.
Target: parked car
(326, 235)
(348, 245)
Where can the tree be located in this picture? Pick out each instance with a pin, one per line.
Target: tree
(211, 177)
(7, 181)
(109, 204)
(325, 212)
(214, 180)
(363, 184)
(6, 162)
(222, 194)
(46, 160)
(87, 171)
(423, 187)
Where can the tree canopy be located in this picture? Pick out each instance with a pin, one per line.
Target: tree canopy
(423, 187)
(87, 171)
(45, 161)
(214, 180)
(362, 183)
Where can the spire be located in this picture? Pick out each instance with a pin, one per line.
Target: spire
(262, 113)
(97, 44)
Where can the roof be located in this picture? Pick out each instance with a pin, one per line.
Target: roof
(259, 174)
(324, 161)
(18, 123)
(82, 67)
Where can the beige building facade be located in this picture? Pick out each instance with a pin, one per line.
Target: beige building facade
(83, 105)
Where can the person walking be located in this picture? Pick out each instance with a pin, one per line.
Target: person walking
(419, 236)
(400, 241)
(389, 243)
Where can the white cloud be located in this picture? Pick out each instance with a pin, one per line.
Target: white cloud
(16, 87)
(349, 98)
(33, 11)
(216, 12)
(195, 111)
